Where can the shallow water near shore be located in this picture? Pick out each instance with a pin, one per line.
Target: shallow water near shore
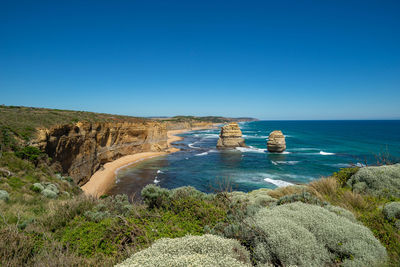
(314, 149)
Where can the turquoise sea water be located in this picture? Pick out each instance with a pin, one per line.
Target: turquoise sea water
(314, 149)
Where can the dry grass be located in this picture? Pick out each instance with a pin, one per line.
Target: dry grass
(324, 188)
(352, 201)
(15, 248)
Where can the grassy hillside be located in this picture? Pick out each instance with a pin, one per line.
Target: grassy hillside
(18, 124)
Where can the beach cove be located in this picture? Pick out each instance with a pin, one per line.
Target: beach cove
(103, 179)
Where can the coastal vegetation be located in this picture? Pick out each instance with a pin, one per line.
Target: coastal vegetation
(341, 225)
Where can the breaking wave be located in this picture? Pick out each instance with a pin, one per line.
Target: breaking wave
(250, 149)
(326, 153)
(278, 183)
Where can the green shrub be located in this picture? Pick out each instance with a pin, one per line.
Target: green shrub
(379, 181)
(392, 211)
(304, 197)
(188, 191)
(37, 187)
(309, 235)
(344, 174)
(30, 153)
(89, 238)
(155, 196)
(4, 195)
(206, 250)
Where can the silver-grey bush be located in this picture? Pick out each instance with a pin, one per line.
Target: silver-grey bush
(309, 235)
(392, 211)
(206, 250)
(4, 195)
(379, 181)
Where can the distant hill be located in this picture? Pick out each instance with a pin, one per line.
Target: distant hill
(215, 119)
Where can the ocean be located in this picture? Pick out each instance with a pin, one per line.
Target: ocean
(314, 149)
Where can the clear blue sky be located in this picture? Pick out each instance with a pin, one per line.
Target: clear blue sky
(266, 59)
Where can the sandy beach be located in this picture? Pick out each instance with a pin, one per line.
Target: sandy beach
(103, 179)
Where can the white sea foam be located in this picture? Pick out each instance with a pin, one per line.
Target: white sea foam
(274, 162)
(160, 171)
(326, 153)
(156, 181)
(192, 145)
(278, 183)
(304, 149)
(288, 162)
(201, 154)
(284, 152)
(359, 164)
(250, 149)
(210, 135)
(339, 165)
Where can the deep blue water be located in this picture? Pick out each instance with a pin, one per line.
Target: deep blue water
(314, 149)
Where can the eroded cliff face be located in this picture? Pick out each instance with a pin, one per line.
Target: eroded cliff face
(81, 149)
(171, 126)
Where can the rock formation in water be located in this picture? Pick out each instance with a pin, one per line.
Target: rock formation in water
(230, 136)
(276, 142)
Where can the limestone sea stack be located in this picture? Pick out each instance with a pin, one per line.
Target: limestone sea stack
(276, 142)
(230, 136)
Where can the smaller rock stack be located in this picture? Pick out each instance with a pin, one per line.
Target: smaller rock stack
(276, 142)
(230, 136)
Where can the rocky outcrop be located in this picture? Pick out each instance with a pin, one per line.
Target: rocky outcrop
(230, 136)
(81, 149)
(276, 142)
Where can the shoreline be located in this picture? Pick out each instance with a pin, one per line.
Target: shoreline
(102, 180)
